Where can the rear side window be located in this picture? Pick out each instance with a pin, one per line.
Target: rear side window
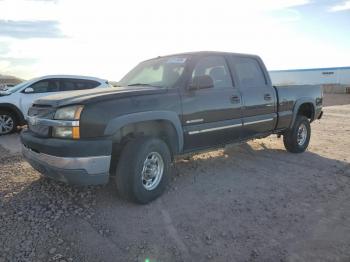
(249, 72)
(215, 67)
(77, 84)
(86, 84)
(67, 85)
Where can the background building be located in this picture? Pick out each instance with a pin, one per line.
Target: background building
(334, 79)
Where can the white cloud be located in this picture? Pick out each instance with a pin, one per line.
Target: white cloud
(28, 10)
(107, 38)
(8, 68)
(340, 7)
(51, 10)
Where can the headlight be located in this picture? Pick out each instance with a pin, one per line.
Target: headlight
(70, 117)
(69, 113)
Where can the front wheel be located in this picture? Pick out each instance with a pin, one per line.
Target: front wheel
(143, 169)
(8, 122)
(297, 139)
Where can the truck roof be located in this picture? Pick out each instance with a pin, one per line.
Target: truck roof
(198, 53)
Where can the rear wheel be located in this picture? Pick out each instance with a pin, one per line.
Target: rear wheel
(8, 122)
(143, 169)
(297, 139)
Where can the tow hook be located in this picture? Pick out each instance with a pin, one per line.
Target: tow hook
(24, 127)
(321, 114)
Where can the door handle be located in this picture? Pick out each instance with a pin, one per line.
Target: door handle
(235, 99)
(267, 97)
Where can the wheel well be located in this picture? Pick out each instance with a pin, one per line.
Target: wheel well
(159, 128)
(307, 109)
(14, 110)
(162, 129)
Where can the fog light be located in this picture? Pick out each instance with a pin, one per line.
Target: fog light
(66, 132)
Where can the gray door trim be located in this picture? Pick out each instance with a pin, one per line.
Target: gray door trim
(213, 129)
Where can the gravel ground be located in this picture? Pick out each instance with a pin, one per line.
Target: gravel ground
(249, 202)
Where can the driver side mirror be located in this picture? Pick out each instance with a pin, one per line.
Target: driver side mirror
(29, 90)
(201, 82)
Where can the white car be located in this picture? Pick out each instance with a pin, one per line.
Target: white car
(15, 101)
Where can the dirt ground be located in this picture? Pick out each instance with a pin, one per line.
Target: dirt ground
(249, 202)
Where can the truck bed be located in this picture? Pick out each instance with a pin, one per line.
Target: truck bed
(291, 96)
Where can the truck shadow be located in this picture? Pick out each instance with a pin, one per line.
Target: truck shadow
(245, 153)
(242, 154)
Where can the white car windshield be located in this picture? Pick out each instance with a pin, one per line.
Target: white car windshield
(15, 88)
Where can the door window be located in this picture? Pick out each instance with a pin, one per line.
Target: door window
(45, 86)
(249, 72)
(215, 67)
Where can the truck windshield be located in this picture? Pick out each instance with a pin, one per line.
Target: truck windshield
(160, 72)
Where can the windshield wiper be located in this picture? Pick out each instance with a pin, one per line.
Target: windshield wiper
(142, 84)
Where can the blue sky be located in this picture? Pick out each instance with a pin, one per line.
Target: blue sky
(106, 38)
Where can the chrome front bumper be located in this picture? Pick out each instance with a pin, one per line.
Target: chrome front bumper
(72, 170)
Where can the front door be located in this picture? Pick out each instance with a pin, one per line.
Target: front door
(211, 116)
(39, 89)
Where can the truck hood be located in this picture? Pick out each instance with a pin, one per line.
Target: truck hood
(94, 95)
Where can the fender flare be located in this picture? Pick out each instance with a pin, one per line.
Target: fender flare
(18, 112)
(297, 105)
(119, 122)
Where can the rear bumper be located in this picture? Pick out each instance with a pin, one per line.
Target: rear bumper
(77, 171)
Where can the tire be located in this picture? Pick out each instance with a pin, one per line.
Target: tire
(8, 122)
(132, 172)
(297, 139)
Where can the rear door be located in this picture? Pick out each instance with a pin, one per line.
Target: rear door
(211, 116)
(259, 97)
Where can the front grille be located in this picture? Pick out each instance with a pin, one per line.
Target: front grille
(39, 130)
(41, 111)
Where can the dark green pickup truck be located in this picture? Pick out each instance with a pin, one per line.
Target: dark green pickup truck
(164, 107)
